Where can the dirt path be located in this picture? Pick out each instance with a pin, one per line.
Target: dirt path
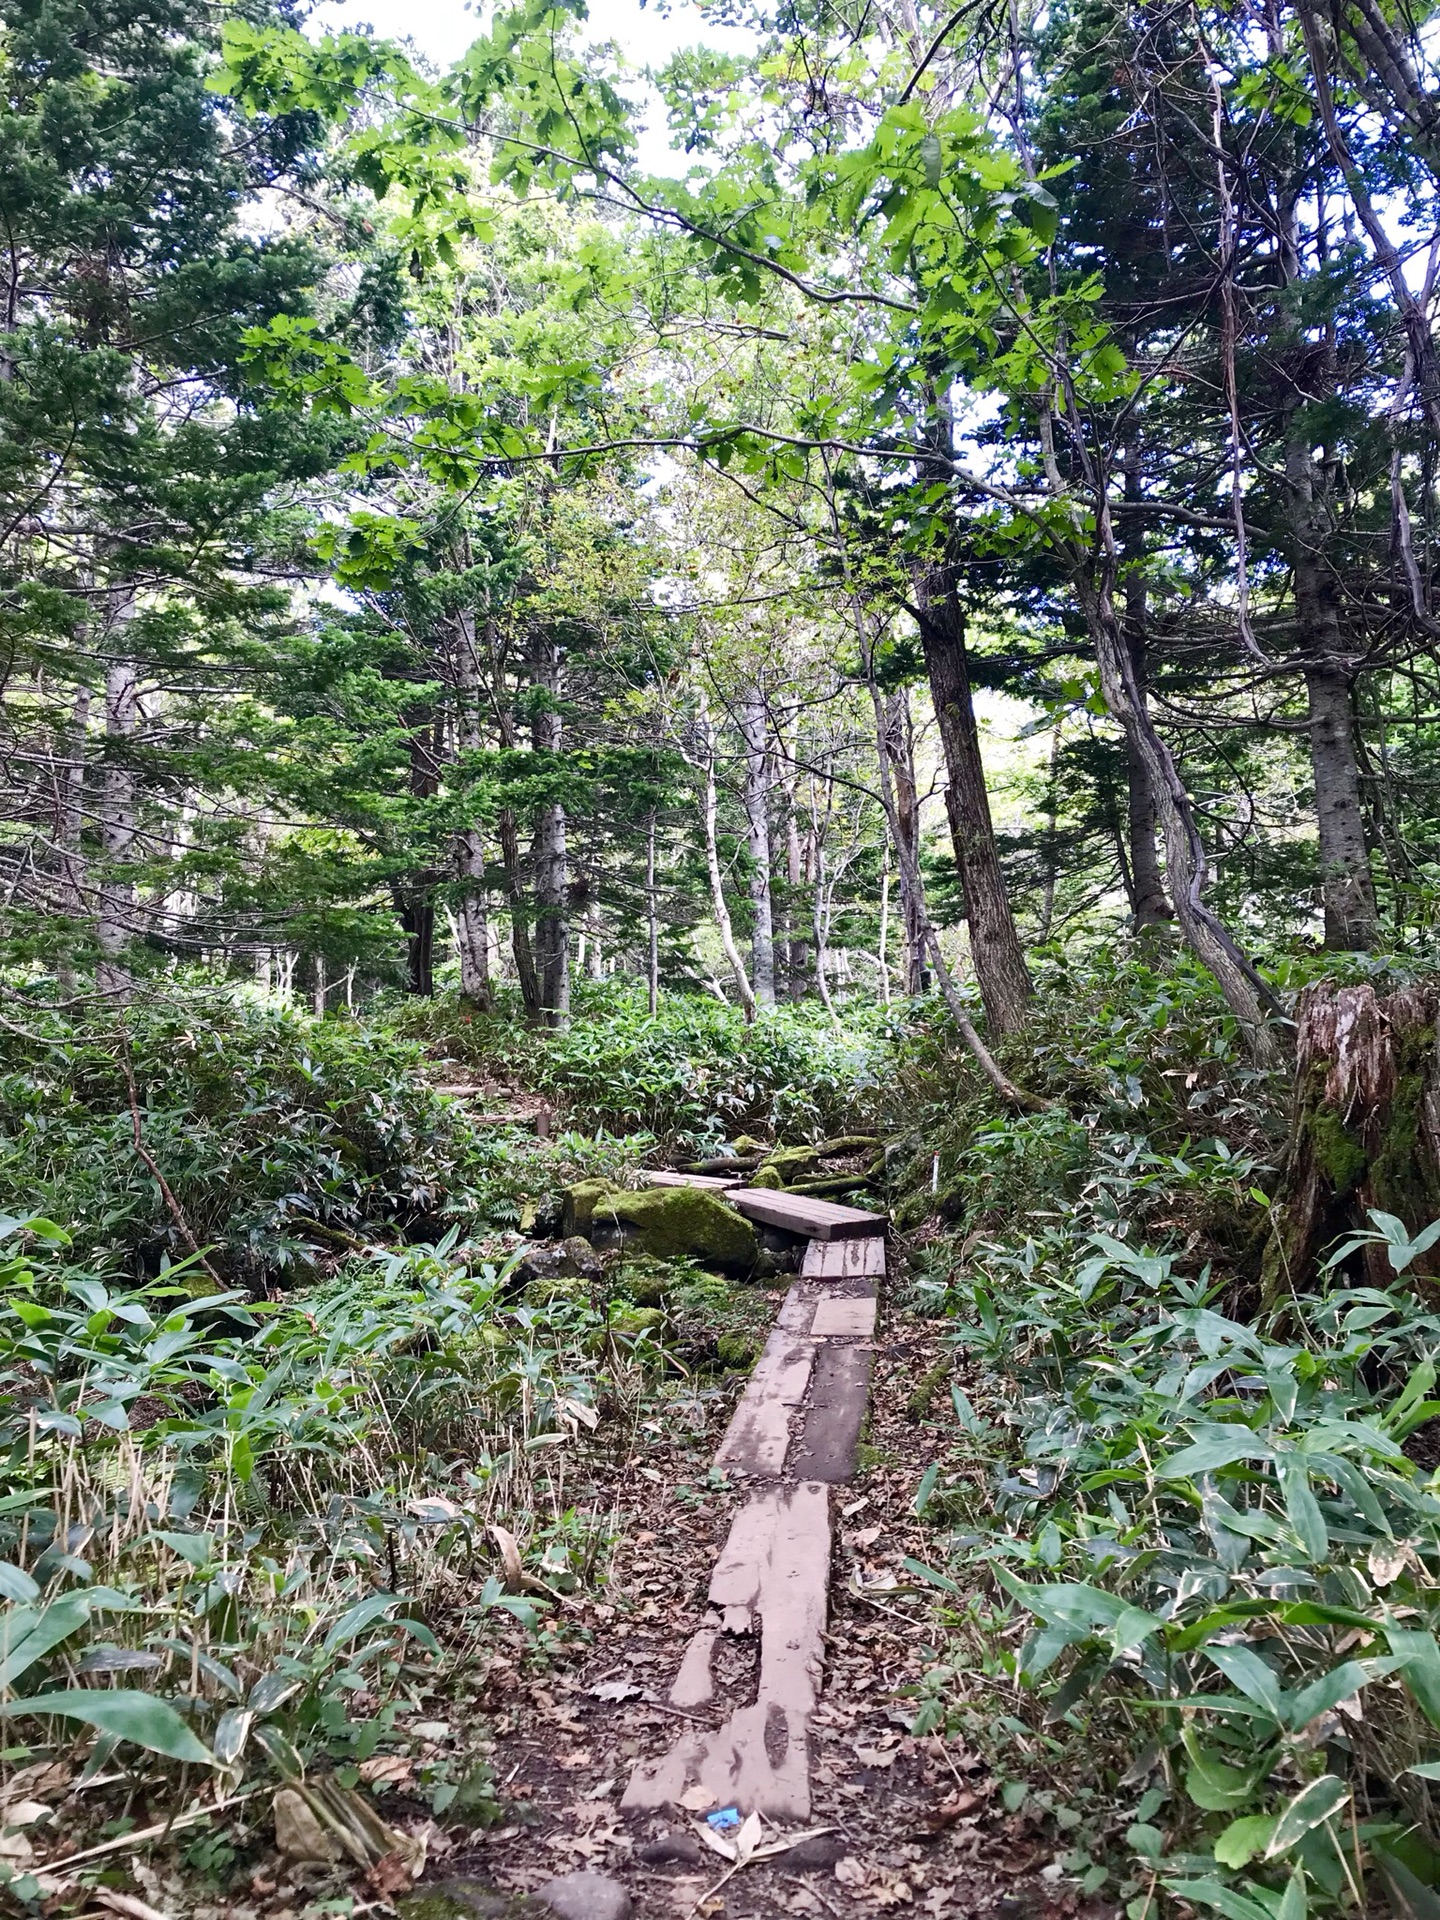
(720, 1673)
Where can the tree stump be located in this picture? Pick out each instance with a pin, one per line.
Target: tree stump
(1364, 1130)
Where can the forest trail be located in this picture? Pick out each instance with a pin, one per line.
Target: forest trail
(769, 1621)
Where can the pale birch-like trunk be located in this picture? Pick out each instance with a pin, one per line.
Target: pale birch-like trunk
(710, 811)
(755, 733)
(552, 924)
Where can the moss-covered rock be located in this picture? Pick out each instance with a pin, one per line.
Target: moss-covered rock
(769, 1177)
(554, 1289)
(630, 1322)
(670, 1222)
(737, 1349)
(581, 1201)
(647, 1282)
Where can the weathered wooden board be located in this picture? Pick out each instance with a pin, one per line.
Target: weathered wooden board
(776, 1567)
(842, 1259)
(712, 1182)
(798, 1213)
(843, 1316)
(758, 1436)
(829, 1444)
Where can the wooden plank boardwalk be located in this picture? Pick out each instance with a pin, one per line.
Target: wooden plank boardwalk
(794, 1435)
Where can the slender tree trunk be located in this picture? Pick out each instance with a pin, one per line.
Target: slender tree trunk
(1004, 979)
(318, 988)
(415, 910)
(882, 956)
(1246, 995)
(1149, 904)
(710, 809)
(414, 893)
(754, 731)
(521, 946)
(797, 963)
(594, 963)
(899, 799)
(552, 918)
(118, 825)
(472, 931)
(1346, 884)
(1347, 889)
(652, 922)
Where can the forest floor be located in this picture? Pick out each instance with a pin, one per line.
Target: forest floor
(898, 1824)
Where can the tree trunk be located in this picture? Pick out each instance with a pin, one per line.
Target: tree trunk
(414, 893)
(1247, 996)
(710, 809)
(652, 923)
(520, 943)
(755, 733)
(472, 930)
(1364, 1132)
(797, 952)
(415, 909)
(1347, 889)
(118, 826)
(1150, 909)
(1004, 980)
(552, 919)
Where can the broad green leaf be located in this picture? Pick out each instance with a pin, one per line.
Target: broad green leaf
(1303, 1510)
(27, 1634)
(1250, 1674)
(196, 1548)
(1214, 1893)
(1309, 1702)
(1419, 1659)
(1310, 1807)
(1244, 1839)
(125, 1714)
(231, 1731)
(1220, 1447)
(929, 1480)
(355, 1619)
(1133, 1628)
(1293, 1904)
(16, 1584)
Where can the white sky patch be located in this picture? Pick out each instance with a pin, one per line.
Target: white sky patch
(443, 29)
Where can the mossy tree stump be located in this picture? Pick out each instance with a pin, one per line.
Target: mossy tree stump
(1365, 1128)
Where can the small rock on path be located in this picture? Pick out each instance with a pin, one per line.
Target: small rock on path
(585, 1896)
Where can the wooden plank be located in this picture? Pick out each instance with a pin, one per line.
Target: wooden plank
(712, 1182)
(842, 1259)
(778, 1562)
(840, 1315)
(828, 1446)
(798, 1213)
(758, 1436)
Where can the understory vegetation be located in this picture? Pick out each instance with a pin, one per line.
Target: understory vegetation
(858, 610)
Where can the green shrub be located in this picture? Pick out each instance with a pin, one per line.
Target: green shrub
(1226, 1562)
(695, 1073)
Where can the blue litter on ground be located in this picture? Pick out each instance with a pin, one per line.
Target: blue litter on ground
(726, 1817)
